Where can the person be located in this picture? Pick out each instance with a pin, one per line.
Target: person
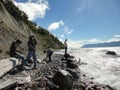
(65, 46)
(14, 52)
(32, 50)
(49, 53)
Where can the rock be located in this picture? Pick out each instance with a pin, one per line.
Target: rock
(95, 87)
(111, 53)
(70, 60)
(71, 65)
(73, 73)
(40, 88)
(109, 87)
(52, 86)
(63, 79)
(82, 86)
(68, 56)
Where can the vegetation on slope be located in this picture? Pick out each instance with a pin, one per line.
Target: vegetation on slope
(44, 36)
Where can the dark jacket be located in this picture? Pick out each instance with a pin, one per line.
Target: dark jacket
(13, 50)
(32, 45)
(49, 52)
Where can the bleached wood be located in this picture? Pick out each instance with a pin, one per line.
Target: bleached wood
(7, 83)
(7, 64)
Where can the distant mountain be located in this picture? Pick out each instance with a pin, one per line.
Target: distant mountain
(107, 44)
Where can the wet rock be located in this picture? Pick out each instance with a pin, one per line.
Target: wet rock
(63, 79)
(40, 88)
(52, 86)
(84, 75)
(73, 73)
(109, 87)
(68, 56)
(82, 86)
(111, 53)
(71, 65)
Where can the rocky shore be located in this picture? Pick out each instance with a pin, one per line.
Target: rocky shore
(62, 73)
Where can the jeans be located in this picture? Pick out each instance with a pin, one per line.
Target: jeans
(19, 56)
(65, 50)
(48, 56)
(33, 55)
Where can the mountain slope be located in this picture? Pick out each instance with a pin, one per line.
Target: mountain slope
(14, 24)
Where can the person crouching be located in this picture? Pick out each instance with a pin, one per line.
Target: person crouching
(49, 53)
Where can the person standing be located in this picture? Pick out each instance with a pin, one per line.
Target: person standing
(65, 46)
(15, 52)
(32, 50)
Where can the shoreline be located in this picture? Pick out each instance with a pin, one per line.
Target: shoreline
(41, 78)
(84, 81)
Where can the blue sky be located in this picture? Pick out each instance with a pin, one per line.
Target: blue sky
(81, 21)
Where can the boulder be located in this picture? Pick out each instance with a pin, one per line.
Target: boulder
(74, 73)
(71, 65)
(63, 79)
(68, 56)
(111, 53)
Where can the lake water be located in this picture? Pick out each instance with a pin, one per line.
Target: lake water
(104, 68)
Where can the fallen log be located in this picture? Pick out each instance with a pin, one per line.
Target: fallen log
(22, 77)
(6, 80)
(7, 83)
(7, 64)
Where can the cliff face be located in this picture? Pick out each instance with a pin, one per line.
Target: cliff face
(12, 29)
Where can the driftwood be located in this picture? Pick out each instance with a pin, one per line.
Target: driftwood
(22, 77)
(7, 83)
(7, 64)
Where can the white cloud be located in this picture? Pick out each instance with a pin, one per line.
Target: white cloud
(62, 36)
(94, 41)
(68, 30)
(117, 36)
(80, 9)
(55, 25)
(36, 9)
(75, 44)
(112, 40)
(80, 43)
(86, 5)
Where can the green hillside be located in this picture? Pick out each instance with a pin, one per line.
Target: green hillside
(45, 37)
(14, 24)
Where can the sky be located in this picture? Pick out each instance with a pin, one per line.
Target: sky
(80, 21)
